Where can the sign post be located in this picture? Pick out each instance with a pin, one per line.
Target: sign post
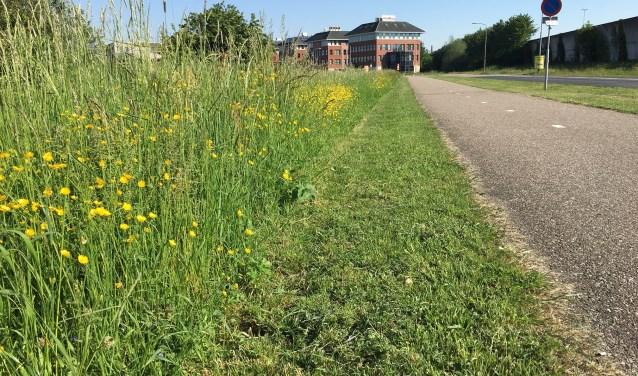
(550, 8)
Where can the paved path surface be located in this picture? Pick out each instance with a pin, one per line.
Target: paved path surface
(588, 81)
(568, 177)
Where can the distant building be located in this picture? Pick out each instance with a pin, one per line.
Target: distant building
(151, 51)
(386, 44)
(296, 48)
(608, 30)
(330, 49)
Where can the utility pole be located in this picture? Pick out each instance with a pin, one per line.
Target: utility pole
(584, 15)
(485, 48)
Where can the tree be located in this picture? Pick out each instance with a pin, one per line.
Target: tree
(455, 57)
(592, 45)
(426, 60)
(560, 54)
(216, 30)
(621, 41)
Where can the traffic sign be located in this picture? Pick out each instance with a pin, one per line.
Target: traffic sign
(551, 8)
(550, 21)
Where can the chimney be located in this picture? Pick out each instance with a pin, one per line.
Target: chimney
(334, 28)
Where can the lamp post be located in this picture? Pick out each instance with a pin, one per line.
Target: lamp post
(485, 49)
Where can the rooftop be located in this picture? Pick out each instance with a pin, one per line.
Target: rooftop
(329, 35)
(386, 24)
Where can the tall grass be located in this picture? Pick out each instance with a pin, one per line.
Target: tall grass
(132, 193)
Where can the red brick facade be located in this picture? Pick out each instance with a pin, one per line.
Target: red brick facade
(330, 49)
(374, 52)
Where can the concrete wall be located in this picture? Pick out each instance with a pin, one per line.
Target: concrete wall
(608, 30)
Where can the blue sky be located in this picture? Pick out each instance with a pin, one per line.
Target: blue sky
(441, 19)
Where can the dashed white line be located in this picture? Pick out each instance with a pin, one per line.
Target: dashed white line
(510, 111)
(558, 126)
(483, 102)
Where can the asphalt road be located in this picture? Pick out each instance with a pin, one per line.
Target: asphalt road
(587, 81)
(567, 176)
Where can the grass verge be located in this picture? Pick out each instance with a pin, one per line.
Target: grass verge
(393, 270)
(629, 70)
(617, 99)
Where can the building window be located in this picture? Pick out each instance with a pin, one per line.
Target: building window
(331, 62)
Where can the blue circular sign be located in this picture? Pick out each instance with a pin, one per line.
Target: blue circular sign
(551, 8)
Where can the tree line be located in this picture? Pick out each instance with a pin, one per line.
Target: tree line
(509, 45)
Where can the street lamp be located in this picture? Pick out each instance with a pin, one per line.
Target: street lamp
(485, 51)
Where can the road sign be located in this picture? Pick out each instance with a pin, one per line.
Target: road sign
(550, 21)
(551, 8)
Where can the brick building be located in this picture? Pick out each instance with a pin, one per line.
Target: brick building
(296, 48)
(329, 49)
(386, 44)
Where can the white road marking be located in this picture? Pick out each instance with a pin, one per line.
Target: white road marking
(510, 111)
(483, 102)
(558, 126)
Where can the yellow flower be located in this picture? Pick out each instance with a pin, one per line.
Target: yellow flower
(249, 232)
(30, 233)
(48, 192)
(4, 209)
(65, 191)
(286, 176)
(177, 117)
(141, 184)
(44, 226)
(127, 207)
(17, 168)
(99, 212)
(152, 215)
(192, 234)
(214, 155)
(172, 243)
(167, 176)
(4, 154)
(148, 230)
(195, 224)
(65, 253)
(99, 183)
(248, 251)
(1, 177)
(28, 155)
(119, 285)
(58, 211)
(140, 218)
(102, 163)
(240, 213)
(124, 227)
(83, 260)
(125, 178)
(47, 157)
(57, 166)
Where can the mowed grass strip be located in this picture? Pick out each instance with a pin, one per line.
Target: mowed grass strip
(610, 98)
(393, 270)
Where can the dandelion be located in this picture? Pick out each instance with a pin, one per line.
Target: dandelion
(152, 215)
(83, 260)
(172, 243)
(28, 155)
(118, 285)
(127, 207)
(99, 183)
(99, 212)
(30, 233)
(192, 234)
(124, 227)
(47, 157)
(167, 176)
(141, 184)
(44, 226)
(286, 176)
(177, 117)
(240, 213)
(248, 251)
(48, 192)
(65, 253)
(4, 209)
(125, 178)
(1, 177)
(58, 211)
(65, 191)
(57, 166)
(195, 224)
(5, 155)
(102, 163)
(140, 218)
(249, 232)
(17, 168)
